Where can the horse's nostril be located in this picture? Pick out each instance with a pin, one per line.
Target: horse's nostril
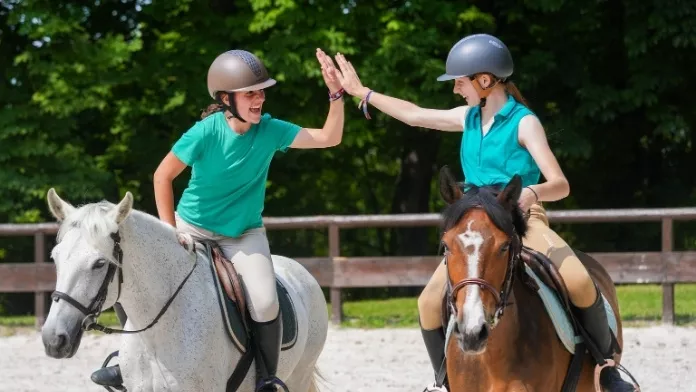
(483, 333)
(61, 340)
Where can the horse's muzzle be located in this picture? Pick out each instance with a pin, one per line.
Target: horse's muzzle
(472, 342)
(60, 343)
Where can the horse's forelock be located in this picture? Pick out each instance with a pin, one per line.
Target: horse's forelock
(93, 223)
(485, 198)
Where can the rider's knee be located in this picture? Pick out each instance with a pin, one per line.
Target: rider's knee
(430, 301)
(264, 308)
(581, 288)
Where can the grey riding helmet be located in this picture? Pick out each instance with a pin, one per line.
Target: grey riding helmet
(478, 53)
(237, 70)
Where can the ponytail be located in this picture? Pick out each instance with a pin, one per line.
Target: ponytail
(212, 108)
(515, 92)
(218, 106)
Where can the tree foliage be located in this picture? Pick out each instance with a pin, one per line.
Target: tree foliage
(95, 93)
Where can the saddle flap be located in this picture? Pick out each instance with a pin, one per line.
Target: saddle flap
(229, 279)
(547, 272)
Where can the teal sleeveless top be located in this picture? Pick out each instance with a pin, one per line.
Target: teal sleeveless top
(495, 158)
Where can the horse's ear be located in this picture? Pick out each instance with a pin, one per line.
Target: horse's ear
(449, 188)
(121, 211)
(59, 208)
(511, 194)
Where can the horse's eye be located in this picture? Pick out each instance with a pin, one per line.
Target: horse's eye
(505, 248)
(98, 264)
(445, 249)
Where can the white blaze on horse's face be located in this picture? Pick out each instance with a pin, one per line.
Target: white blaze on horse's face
(473, 313)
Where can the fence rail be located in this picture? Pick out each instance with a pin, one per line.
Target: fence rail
(337, 272)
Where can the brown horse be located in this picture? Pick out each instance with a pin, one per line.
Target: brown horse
(517, 351)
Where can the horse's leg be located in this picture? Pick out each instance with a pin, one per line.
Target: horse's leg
(134, 363)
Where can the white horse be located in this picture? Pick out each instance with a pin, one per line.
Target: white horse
(188, 348)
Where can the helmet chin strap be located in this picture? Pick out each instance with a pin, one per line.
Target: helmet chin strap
(483, 92)
(231, 108)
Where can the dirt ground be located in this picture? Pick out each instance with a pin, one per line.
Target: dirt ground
(356, 360)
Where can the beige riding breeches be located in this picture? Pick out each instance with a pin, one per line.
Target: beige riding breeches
(251, 256)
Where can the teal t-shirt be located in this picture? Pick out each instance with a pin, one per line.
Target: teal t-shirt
(495, 158)
(227, 188)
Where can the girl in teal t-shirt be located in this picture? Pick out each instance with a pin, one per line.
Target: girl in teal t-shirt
(230, 150)
(501, 137)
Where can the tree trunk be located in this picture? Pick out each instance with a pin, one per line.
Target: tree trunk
(412, 192)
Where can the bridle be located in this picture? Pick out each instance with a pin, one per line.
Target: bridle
(501, 298)
(94, 309)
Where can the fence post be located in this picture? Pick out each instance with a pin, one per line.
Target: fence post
(39, 296)
(335, 251)
(667, 288)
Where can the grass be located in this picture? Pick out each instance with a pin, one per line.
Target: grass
(640, 305)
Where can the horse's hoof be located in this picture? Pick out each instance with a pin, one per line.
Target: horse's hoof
(108, 376)
(611, 381)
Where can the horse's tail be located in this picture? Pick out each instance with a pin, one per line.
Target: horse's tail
(316, 376)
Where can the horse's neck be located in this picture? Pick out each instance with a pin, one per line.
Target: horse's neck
(153, 266)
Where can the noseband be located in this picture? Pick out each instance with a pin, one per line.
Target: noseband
(94, 309)
(501, 298)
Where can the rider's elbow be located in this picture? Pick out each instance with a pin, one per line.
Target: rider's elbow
(564, 187)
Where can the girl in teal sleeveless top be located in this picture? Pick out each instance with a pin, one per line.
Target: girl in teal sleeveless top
(501, 138)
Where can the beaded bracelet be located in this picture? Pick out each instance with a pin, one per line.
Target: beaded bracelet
(363, 105)
(337, 95)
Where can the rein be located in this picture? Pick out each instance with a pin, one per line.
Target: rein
(501, 298)
(94, 309)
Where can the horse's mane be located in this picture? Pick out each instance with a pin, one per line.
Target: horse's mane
(486, 198)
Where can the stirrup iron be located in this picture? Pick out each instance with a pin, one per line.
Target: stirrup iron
(275, 382)
(434, 388)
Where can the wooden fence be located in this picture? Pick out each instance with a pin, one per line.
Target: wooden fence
(665, 267)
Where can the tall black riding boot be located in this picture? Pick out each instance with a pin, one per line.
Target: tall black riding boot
(434, 340)
(110, 376)
(268, 338)
(594, 319)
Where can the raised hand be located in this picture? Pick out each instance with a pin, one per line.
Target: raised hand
(349, 78)
(329, 71)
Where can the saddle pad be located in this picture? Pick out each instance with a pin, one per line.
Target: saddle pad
(234, 325)
(561, 322)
